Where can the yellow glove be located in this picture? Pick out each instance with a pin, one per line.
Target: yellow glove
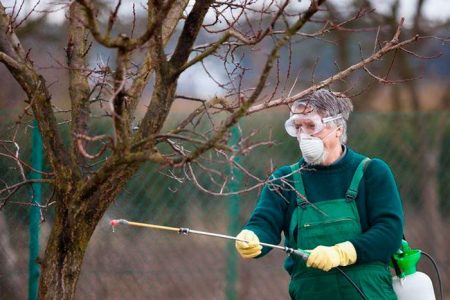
(251, 248)
(325, 258)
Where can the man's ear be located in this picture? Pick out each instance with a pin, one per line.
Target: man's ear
(339, 132)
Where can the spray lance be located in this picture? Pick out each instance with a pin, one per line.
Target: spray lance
(303, 254)
(300, 253)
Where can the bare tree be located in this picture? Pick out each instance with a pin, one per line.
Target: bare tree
(90, 171)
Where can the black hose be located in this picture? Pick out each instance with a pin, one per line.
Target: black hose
(353, 283)
(441, 290)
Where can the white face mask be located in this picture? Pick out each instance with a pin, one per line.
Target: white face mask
(313, 149)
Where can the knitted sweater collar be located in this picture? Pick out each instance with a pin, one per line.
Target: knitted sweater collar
(338, 164)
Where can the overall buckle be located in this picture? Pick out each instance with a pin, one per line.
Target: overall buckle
(350, 195)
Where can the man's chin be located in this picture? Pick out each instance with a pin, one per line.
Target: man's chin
(317, 162)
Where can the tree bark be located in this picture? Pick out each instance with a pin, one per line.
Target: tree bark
(64, 255)
(76, 219)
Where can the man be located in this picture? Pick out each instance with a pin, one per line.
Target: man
(342, 207)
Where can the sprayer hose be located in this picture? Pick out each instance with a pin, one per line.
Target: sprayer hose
(441, 290)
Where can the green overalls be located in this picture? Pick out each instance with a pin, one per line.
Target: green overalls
(328, 223)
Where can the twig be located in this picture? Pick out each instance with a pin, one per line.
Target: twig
(81, 137)
(389, 46)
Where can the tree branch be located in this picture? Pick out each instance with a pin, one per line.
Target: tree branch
(199, 110)
(39, 98)
(231, 32)
(242, 110)
(388, 47)
(9, 43)
(122, 41)
(81, 137)
(205, 53)
(10, 62)
(120, 113)
(143, 75)
(79, 89)
(12, 189)
(190, 31)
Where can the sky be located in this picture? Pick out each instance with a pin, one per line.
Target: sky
(438, 10)
(434, 10)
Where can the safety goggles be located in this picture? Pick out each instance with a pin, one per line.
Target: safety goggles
(311, 123)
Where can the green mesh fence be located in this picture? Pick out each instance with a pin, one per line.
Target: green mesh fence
(134, 263)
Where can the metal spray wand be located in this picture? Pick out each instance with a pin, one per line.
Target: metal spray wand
(291, 251)
(181, 230)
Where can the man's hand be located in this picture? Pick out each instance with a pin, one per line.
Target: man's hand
(326, 258)
(251, 247)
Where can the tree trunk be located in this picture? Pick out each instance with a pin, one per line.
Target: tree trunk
(429, 154)
(64, 254)
(72, 229)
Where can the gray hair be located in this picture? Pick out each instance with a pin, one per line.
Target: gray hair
(328, 104)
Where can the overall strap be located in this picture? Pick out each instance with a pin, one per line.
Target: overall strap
(298, 182)
(352, 191)
(299, 189)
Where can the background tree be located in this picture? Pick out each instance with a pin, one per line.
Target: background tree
(88, 169)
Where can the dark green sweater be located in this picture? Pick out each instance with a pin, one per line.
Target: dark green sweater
(378, 203)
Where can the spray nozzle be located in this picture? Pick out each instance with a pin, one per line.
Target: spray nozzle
(407, 259)
(405, 246)
(116, 222)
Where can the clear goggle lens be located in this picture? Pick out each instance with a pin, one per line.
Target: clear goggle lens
(307, 123)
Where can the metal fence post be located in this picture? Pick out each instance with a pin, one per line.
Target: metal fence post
(233, 225)
(34, 225)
